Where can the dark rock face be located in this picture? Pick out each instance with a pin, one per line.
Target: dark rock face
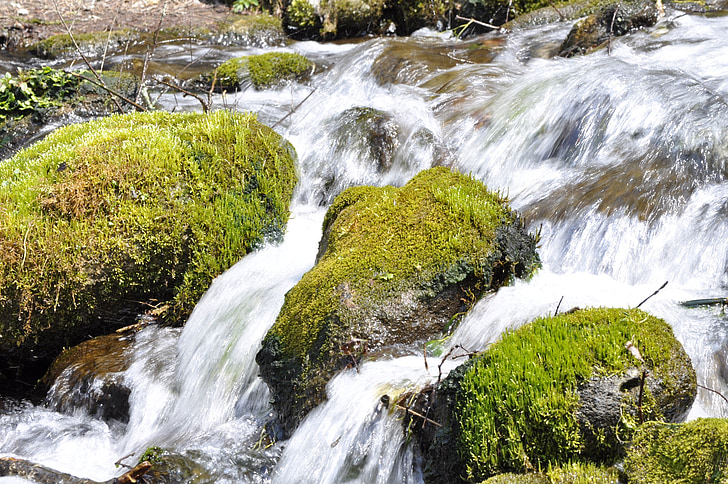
(89, 376)
(390, 272)
(611, 21)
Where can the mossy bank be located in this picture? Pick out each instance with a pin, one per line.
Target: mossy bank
(530, 400)
(102, 220)
(395, 266)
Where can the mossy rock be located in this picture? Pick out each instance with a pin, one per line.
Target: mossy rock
(694, 452)
(301, 20)
(257, 30)
(91, 44)
(572, 473)
(101, 219)
(614, 20)
(261, 71)
(395, 266)
(521, 404)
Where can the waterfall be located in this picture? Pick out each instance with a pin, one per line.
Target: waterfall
(619, 159)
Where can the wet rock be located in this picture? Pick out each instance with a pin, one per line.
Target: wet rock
(90, 376)
(258, 30)
(611, 21)
(558, 390)
(395, 266)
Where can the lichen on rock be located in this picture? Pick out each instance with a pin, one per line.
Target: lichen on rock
(395, 266)
(101, 219)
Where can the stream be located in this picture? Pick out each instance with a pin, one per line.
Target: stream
(619, 159)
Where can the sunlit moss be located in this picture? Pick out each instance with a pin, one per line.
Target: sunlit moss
(89, 43)
(570, 473)
(262, 71)
(143, 208)
(389, 252)
(517, 405)
(694, 452)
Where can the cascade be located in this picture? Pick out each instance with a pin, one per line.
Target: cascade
(619, 160)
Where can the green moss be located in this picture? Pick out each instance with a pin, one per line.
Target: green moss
(140, 207)
(694, 452)
(154, 455)
(395, 265)
(89, 43)
(381, 239)
(301, 18)
(257, 30)
(570, 473)
(263, 71)
(517, 403)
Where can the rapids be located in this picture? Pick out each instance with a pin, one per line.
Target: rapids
(618, 159)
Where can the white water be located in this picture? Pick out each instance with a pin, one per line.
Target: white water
(620, 159)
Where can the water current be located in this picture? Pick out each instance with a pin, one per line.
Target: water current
(619, 158)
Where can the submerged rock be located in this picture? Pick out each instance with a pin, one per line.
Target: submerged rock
(102, 220)
(562, 389)
(395, 266)
(89, 376)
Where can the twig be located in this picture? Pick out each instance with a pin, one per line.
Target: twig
(648, 297)
(561, 15)
(417, 414)
(150, 51)
(106, 88)
(639, 401)
(121, 463)
(205, 105)
(83, 56)
(424, 353)
(558, 306)
(508, 11)
(714, 391)
(490, 26)
(611, 30)
(294, 109)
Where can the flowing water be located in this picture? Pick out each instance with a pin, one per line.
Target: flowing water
(619, 158)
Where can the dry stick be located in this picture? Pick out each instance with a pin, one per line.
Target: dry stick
(714, 391)
(294, 109)
(648, 297)
(561, 15)
(150, 51)
(490, 26)
(424, 353)
(205, 106)
(510, 5)
(83, 56)
(611, 29)
(558, 306)
(642, 389)
(417, 414)
(109, 90)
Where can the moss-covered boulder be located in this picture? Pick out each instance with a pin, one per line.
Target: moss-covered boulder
(694, 452)
(572, 473)
(92, 44)
(261, 71)
(614, 20)
(100, 220)
(256, 30)
(522, 405)
(395, 266)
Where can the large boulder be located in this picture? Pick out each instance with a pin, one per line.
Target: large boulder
(395, 266)
(568, 388)
(103, 220)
